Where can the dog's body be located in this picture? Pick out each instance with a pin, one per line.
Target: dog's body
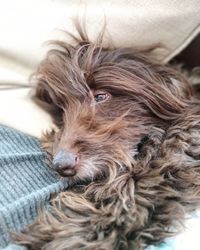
(128, 144)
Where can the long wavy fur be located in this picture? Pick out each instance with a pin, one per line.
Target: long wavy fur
(140, 169)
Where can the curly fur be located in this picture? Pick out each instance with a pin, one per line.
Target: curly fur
(140, 150)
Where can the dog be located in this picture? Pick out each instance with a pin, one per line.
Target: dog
(128, 144)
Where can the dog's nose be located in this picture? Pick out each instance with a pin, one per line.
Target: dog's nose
(65, 163)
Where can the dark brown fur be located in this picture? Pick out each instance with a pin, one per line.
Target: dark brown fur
(140, 150)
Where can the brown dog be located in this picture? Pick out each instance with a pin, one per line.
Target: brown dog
(128, 144)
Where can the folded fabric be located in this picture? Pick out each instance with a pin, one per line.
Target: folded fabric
(25, 25)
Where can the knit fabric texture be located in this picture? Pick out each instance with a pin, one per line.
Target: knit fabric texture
(26, 183)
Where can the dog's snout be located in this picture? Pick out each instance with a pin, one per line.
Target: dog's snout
(65, 163)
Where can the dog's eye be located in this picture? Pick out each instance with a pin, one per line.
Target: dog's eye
(101, 96)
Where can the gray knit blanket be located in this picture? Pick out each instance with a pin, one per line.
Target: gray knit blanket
(26, 183)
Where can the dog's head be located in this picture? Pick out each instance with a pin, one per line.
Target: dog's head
(106, 105)
(131, 125)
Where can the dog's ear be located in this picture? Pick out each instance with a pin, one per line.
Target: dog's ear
(43, 93)
(167, 99)
(45, 97)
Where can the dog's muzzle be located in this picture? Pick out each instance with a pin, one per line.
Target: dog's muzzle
(65, 163)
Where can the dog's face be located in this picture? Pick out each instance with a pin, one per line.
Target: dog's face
(106, 103)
